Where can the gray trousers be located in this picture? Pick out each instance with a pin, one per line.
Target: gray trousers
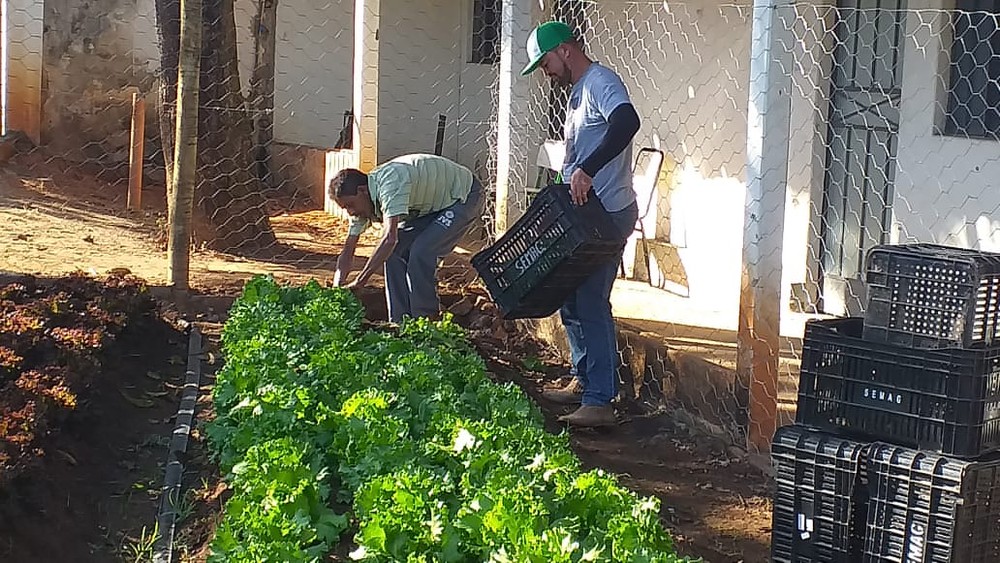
(411, 270)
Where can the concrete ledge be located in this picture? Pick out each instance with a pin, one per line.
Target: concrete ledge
(702, 395)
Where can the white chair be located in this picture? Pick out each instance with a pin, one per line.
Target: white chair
(645, 177)
(549, 163)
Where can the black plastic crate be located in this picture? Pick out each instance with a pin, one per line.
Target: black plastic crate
(945, 400)
(819, 500)
(548, 253)
(929, 508)
(931, 296)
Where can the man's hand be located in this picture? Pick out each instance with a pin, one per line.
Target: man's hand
(380, 255)
(345, 261)
(579, 184)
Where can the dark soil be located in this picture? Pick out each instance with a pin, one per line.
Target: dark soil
(87, 488)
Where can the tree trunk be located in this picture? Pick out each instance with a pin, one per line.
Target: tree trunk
(262, 86)
(181, 202)
(168, 29)
(230, 208)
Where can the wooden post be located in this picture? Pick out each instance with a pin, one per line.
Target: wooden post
(181, 203)
(136, 152)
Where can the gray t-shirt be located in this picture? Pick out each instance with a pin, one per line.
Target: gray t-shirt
(592, 99)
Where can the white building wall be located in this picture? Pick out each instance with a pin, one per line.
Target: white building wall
(146, 43)
(812, 25)
(476, 119)
(22, 80)
(313, 82)
(424, 73)
(314, 53)
(420, 58)
(686, 68)
(244, 11)
(684, 64)
(946, 187)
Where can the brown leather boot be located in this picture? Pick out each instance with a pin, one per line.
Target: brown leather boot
(569, 394)
(591, 416)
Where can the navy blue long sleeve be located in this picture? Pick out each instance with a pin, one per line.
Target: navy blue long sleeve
(623, 124)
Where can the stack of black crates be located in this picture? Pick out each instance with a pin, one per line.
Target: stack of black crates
(895, 454)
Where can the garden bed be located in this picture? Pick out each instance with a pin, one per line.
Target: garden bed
(398, 441)
(714, 503)
(88, 389)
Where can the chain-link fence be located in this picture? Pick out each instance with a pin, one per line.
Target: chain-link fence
(875, 121)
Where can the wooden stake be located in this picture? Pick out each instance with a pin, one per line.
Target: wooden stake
(136, 152)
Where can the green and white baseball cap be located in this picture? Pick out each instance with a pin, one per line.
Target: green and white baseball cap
(543, 39)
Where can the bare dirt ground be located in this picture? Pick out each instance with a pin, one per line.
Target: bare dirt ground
(56, 218)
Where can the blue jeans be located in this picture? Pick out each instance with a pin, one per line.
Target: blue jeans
(586, 315)
(411, 270)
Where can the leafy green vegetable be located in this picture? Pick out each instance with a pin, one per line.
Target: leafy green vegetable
(279, 511)
(438, 462)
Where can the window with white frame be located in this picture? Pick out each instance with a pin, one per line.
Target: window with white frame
(973, 108)
(485, 45)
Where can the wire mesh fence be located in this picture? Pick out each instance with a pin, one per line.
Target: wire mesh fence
(686, 68)
(890, 134)
(890, 125)
(276, 108)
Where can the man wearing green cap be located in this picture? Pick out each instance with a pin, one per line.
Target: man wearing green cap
(600, 124)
